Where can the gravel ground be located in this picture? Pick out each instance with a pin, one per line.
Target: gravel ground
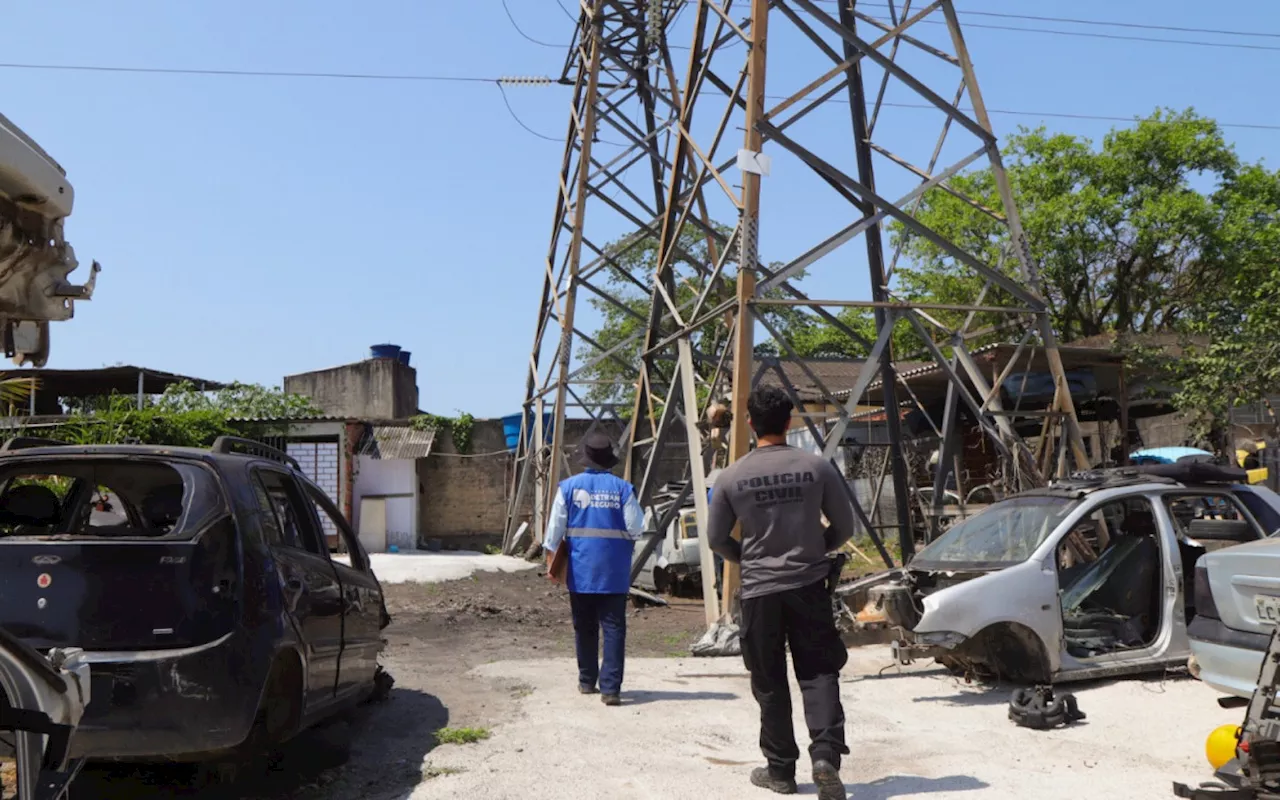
(494, 651)
(687, 729)
(439, 633)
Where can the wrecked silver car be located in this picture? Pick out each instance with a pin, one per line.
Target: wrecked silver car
(1089, 577)
(42, 698)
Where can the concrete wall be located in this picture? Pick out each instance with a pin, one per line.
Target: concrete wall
(379, 388)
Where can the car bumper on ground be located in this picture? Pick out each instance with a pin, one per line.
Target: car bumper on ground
(1227, 659)
(167, 704)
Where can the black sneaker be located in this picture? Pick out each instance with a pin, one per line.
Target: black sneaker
(611, 699)
(827, 779)
(762, 777)
(587, 689)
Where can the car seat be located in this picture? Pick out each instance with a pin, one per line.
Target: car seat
(162, 506)
(30, 505)
(1134, 589)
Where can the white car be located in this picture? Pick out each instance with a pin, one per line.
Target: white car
(1084, 579)
(1237, 606)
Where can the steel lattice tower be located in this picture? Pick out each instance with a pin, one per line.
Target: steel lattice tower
(652, 155)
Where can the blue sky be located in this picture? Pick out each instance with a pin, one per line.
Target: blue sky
(254, 227)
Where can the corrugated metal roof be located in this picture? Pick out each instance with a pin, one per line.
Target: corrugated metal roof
(386, 442)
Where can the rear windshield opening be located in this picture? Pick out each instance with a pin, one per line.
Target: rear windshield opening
(106, 498)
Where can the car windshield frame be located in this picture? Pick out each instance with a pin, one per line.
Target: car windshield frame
(973, 543)
(204, 500)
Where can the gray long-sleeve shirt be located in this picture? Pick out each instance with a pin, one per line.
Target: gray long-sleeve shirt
(779, 494)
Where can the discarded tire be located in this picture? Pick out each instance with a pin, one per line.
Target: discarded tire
(1037, 708)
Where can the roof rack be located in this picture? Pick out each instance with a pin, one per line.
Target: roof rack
(237, 444)
(27, 442)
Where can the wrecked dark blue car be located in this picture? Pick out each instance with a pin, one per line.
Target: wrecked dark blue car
(199, 583)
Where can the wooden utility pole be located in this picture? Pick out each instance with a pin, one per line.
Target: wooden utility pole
(744, 334)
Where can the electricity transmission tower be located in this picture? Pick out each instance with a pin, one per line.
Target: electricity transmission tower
(704, 133)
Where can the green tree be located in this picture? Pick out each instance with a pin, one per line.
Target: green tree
(1239, 313)
(1123, 238)
(1162, 229)
(626, 319)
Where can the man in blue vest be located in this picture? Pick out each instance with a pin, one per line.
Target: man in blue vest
(597, 516)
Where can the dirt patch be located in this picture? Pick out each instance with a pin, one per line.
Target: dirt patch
(439, 632)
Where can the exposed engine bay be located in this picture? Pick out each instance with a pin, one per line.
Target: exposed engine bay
(36, 261)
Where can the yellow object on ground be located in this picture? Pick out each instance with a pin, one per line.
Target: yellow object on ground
(1221, 745)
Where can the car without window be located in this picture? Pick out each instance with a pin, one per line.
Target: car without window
(1089, 577)
(200, 588)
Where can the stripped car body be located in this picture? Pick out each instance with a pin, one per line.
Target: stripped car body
(43, 700)
(1086, 578)
(200, 587)
(36, 261)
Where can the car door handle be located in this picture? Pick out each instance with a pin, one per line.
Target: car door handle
(293, 585)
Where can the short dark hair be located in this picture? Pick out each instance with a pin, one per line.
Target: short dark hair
(769, 409)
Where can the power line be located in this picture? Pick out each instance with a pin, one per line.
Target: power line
(520, 31)
(1067, 115)
(1116, 36)
(501, 82)
(519, 122)
(1136, 25)
(1105, 23)
(247, 73)
(1080, 21)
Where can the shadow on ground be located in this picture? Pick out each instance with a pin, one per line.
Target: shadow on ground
(378, 751)
(910, 786)
(642, 697)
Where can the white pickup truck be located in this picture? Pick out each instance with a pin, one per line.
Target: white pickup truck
(35, 260)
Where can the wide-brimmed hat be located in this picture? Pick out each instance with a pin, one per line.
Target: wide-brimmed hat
(597, 451)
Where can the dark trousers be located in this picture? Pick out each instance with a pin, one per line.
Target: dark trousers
(802, 619)
(591, 614)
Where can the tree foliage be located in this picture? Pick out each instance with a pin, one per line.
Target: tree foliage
(184, 416)
(625, 314)
(1162, 229)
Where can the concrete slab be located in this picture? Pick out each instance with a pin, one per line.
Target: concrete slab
(688, 729)
(424, 567)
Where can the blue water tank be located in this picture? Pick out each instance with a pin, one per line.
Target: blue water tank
(384, 351)
(511, 428)
(404, 357)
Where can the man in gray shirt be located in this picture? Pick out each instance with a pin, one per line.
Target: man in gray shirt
(780, 494)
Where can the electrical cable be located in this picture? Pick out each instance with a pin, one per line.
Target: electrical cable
(1114, 36)
(1056, 114)
(516, 25)
(502, 81)
(519, 122)
(1136, 25)
(247, 73)
(1095, 22)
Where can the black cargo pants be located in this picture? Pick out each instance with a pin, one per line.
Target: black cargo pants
(803, 619)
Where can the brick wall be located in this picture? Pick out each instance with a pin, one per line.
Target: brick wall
(464, 499)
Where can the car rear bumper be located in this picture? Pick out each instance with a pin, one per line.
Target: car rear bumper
(167, 704)
(1228, 659)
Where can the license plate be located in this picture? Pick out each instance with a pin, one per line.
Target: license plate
(1268, 608)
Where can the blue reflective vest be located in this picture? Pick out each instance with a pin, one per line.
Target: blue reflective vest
(599, 547)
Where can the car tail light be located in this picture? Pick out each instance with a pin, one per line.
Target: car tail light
(1205, 606)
